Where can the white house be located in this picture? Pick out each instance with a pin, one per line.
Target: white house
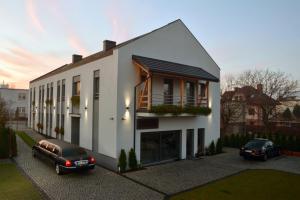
(122, 97)
(16, 100)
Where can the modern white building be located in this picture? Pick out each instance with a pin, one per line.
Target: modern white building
(123, 97)
(16, 101)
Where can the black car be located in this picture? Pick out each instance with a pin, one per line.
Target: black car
(260, 148)
(64, 156)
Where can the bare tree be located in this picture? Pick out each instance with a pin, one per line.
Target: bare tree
(231, 111)
(276, 84)
(4, 114)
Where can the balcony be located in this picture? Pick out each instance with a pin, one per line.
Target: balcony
(183, 100)
(168, 88)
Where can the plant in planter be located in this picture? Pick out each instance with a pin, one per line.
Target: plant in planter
(62, 131)
(56, 129)
(122, 161)
(132, 160)
(49, 102)
(75, 100)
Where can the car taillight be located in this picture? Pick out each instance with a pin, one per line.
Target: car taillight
(68, 163)
(92, 160)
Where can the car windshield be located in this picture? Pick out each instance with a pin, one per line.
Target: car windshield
(73, 152)
(255, 144)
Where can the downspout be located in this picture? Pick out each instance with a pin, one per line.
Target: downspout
(134, 111)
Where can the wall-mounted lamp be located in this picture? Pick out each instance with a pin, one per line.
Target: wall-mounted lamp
(85, 108)
(68, 107)
(111, 118)
(127, 108)
(53, 107)
(123, 118)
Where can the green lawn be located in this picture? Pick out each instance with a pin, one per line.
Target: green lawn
(250, 184)
(26, 138)
(13, 185)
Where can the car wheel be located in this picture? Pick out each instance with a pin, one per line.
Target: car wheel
(58, 169)
(265, 158)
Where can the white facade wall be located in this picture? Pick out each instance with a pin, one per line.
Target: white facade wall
(118, 77)
(107, 102)
(176, 44)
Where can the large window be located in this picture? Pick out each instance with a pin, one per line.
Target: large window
(76, 86)
(203, 90)
(168, 91)
(96, 84)
(21, 96)
(190, 93)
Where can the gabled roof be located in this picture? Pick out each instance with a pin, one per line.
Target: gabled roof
(162, 66)
(102, 54)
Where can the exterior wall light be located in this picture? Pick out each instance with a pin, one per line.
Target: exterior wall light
(85, 108)
(68, 107)
(127, 108)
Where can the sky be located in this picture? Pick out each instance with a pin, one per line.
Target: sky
(38, 36)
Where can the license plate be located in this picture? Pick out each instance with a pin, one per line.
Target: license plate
(81, 162)
(248, 151)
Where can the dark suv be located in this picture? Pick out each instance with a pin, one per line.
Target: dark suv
(64, 156)
(259, 148)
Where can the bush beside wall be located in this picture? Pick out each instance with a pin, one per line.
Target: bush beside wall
(122, 161)
(291, 143)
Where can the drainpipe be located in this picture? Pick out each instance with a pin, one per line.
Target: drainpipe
(134, 111)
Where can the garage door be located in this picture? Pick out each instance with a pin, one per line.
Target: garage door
(160, 146)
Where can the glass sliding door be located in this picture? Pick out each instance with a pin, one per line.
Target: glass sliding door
(160, 146)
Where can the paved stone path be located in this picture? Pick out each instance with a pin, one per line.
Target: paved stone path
(97, 184)
(178, 176)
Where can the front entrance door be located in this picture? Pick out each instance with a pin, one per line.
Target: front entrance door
(189, 143)
(201, 140)
(160, 146)
(75, 130)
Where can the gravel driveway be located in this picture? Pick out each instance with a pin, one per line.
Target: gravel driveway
(178, 176)
(97, 184)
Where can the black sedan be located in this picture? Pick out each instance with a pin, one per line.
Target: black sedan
(259, 148)
(64, 156)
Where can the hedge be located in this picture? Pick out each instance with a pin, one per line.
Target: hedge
(8, 144)
(26, 138)
(291, 143)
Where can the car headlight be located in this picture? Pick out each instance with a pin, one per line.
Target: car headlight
(263, 149)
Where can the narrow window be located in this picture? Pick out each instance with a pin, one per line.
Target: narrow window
(96, 84)
(76, 86)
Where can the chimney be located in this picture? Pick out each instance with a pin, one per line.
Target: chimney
(108, 44)
(259, 88)
(76, 58)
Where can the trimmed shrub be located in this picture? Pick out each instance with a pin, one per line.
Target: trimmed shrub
(226, 141)
(296, 111)
(212, 148)
(219, 146)
(132, 159)
(122, 161)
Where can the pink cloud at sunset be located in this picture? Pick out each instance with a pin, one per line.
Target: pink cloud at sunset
(31, 10)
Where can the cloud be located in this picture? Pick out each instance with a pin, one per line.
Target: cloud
(76, 44)
(120, 23)
(22, 65)
(30, 7)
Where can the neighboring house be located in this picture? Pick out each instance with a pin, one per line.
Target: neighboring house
(16, 99)
(242, 109)
(105, 102)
